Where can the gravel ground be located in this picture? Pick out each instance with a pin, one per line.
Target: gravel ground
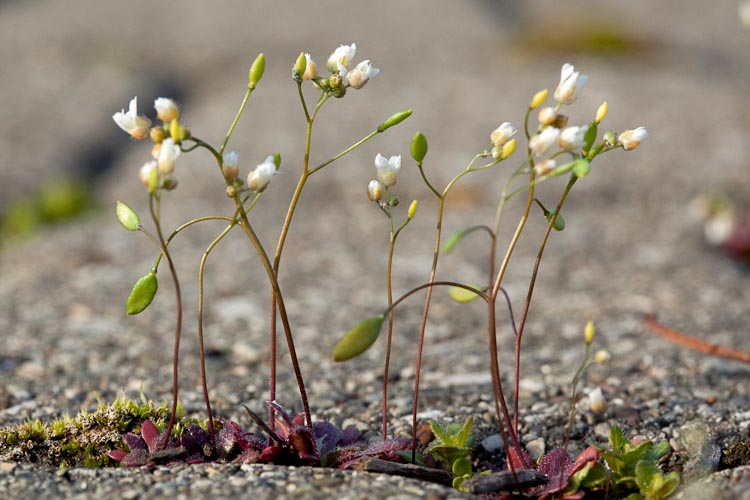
(630, 247)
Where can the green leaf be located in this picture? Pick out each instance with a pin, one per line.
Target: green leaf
(406, 456)
(589, 137)
(142, 294)
(452, 242)
(462, 295)
(358, 339)
(617, 439)
(127, 217)
(461, 467)
(656, 452)
(581, 167)
(464, 436)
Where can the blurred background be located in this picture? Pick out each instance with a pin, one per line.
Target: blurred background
(632, 245)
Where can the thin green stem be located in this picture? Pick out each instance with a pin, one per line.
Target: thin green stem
(346, 151)
(236, 120)
(302, 100)
(389, 287)
(185, 226)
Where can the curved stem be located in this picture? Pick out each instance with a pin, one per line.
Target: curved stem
(529, 294)
(178, 327)
(279, 301)
(389, 287)
(204, 382)
(184, 226)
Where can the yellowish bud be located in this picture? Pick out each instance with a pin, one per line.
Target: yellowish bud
(539, 98)
(256, 70)
(588, 332)
(601, 112)
(174, 130)
(412, 209)
(157, 134)
(231, 191)
(299, 67)
(508, 148)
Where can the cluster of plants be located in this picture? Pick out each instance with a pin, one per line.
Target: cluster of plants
(554, 150)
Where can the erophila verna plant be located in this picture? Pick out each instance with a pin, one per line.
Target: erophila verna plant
(554, 149)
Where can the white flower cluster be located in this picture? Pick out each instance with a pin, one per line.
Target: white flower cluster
(343, 75)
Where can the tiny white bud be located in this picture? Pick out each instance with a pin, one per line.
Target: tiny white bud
(230, 165)
(630, 139)
(359, 76)
(571, 138)
(166, 109)
(311, 70)
(374, 190)
(545, 167)
(168, 153)
(145, 172)
(597, 402)
(258, 179)
(602, 356)
(502, 134)
(547, 115)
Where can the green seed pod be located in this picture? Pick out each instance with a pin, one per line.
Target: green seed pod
(277, 160)
(559, 224)
(358, 339)
(127, 217)
(256, 70)
(394, 119)
(418, 147)
(590, 137)
(462, 295)
(142, 294)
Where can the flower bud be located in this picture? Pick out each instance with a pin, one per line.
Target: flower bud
(394, 119)
(418, 147)
(360, 75)
(166, 109)
(540, 143)
(412, 209)
(602, 356)
(231, 191)
(256, 70)
(610, 138)
(374, 190)
(560, 121)
(144, 174)
(258, 179)
(502, 134)
(538, 98)
(597, 402)
(571, 138)
(230, 166)
(392, 201)
(508, 149)
(497, 153)
(168, 153)
(545, 167)
(311, 69)
(299, 67)
(547, 116)
(157, 134)
(588, 332)
(630, 139)
(156, 150)
(601, 112)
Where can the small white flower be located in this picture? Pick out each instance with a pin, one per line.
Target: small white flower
(258, 179)
(130, 122)
(360, 75)
(540, 143)
(545, 167)
(166, 109)
(343, 55)
(145, 173)
(596, 400)
(630, 139)
(230, 168)
(374, 190)
(571, 82)
(168, 153)
(311, 69)
(571, 138)
(502, 134)
(719, 227)
(602, 356)
(387, 169)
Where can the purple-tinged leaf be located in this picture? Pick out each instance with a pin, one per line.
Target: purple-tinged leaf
(590, 454)
(136, 458)
(555, 465)
(327, 437)
(519, 459)
(134, 442)
(351, 436)
(301, 441)
(117, 455)
(150, 435)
